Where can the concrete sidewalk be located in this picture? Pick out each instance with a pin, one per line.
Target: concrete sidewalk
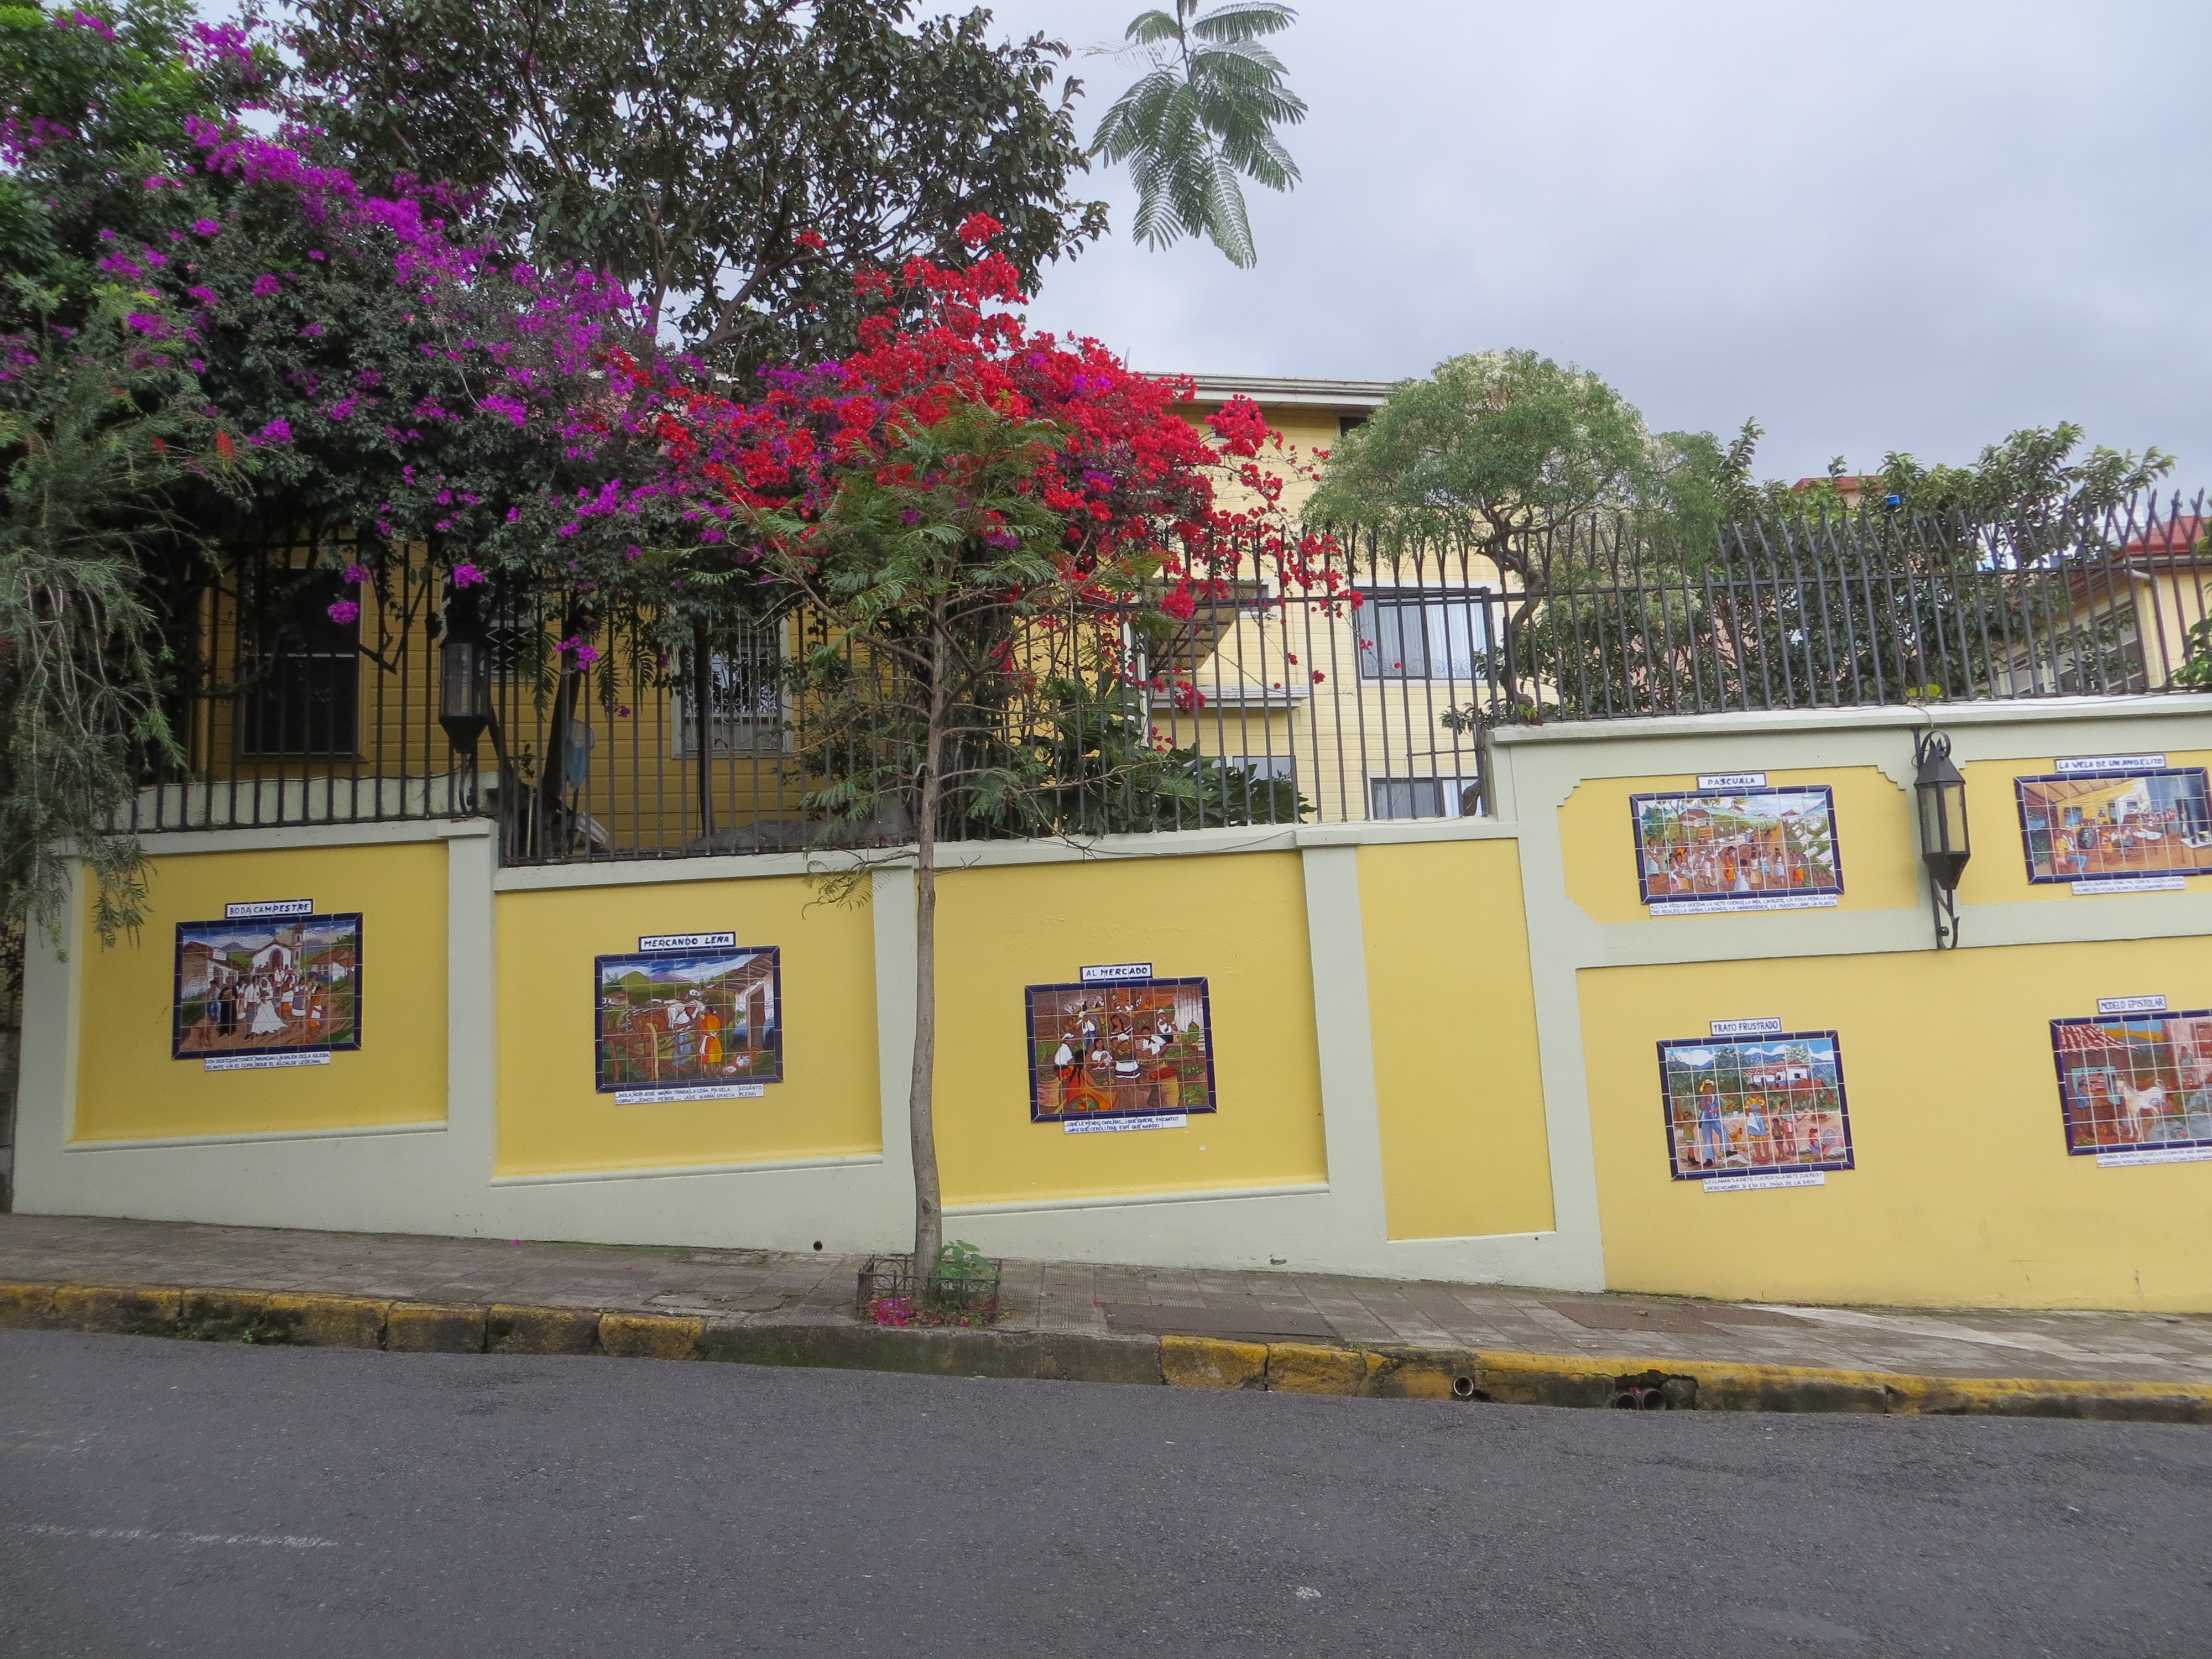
(798, 1308)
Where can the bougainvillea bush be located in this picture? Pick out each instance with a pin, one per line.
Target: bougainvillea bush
(1053, 500)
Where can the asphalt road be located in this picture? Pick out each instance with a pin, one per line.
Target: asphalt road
(176, 1497)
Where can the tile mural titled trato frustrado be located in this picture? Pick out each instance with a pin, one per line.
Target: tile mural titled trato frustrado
(1773, 1105)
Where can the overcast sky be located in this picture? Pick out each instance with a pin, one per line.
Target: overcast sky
(1870, 226)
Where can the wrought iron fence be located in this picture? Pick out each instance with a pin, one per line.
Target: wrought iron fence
(1354, 685)
(1866, 608)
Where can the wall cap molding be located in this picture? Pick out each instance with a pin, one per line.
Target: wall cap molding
(2026, 711)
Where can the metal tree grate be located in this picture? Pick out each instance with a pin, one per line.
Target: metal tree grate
(966, 1294)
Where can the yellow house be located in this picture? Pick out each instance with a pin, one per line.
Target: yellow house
(1368, 705)
(2122, 622)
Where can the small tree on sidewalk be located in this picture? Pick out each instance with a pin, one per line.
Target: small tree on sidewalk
(973, 520)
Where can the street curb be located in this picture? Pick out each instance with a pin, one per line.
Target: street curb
(311, 1320)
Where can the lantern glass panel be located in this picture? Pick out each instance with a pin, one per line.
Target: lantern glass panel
(466, 676)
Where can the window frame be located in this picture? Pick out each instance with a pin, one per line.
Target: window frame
(1453, 789)
(683, 744)
(1476, 601)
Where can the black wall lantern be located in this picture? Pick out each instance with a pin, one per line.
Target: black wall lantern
(464, 685)
(1940, 793)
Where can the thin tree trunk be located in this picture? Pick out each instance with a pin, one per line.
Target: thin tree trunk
(928, 1198)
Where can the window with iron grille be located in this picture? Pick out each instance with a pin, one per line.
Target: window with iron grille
(1424, 798)
(747, 694)
(1421, 636)
(300, 688)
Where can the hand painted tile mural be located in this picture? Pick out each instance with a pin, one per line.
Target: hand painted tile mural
(677, 1018)
(1132, 1049)
(1767, 1106)
(2106, 826)
(1737, 849)
(2135, 1082)
(274, 985)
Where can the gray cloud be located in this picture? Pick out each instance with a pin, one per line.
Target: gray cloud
(1872, 226)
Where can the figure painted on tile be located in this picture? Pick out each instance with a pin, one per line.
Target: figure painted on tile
(267, 987)
(1734, 844)
(682, 1018)
(1129, 1049)
(1767, 1104)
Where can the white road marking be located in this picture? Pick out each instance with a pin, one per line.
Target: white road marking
(145, 1536)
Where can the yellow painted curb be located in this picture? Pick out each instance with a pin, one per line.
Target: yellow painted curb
(514, 1328)
(1311, 1368)
(434, 1328)
(650, 1336)
(1208, 1362)
(1190, 1362)
(24, 1307)
(325, 1322)
(119, 1309)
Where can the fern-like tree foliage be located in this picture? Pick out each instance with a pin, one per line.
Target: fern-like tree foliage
(1203, 118)
(99, 428)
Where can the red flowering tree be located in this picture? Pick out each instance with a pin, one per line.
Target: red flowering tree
(977, 522)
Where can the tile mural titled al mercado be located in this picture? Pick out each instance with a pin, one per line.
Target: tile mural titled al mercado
(1769, 1107)
(1737, 849)
(2117, 826)
(688, 1024)
(288, 985)
(1138, 1049)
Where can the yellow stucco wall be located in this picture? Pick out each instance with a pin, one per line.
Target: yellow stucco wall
(1458, 1088)
(128, 1086)
(552, 1119)
(1964, 1192)
(1997, 872)
(1237, 921)
(1875, 839)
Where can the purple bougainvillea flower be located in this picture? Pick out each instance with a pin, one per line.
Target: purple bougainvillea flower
(312, 331)
(467, 575)
(264, 285)
(206, 228)
(343, 611)
(277, 431)
(358, 573)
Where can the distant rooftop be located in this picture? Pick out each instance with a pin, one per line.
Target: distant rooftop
(1281, 390)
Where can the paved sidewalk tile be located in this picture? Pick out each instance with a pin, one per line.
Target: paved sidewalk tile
(755, 1285)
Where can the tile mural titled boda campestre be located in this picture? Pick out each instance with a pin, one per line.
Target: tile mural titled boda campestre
(1135, 1049)
(1703, 851)
(681, 1024)
(286, 985)
(1770, 1106)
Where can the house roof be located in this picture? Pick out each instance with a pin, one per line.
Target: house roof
(2174, 542)
(1290, 391)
